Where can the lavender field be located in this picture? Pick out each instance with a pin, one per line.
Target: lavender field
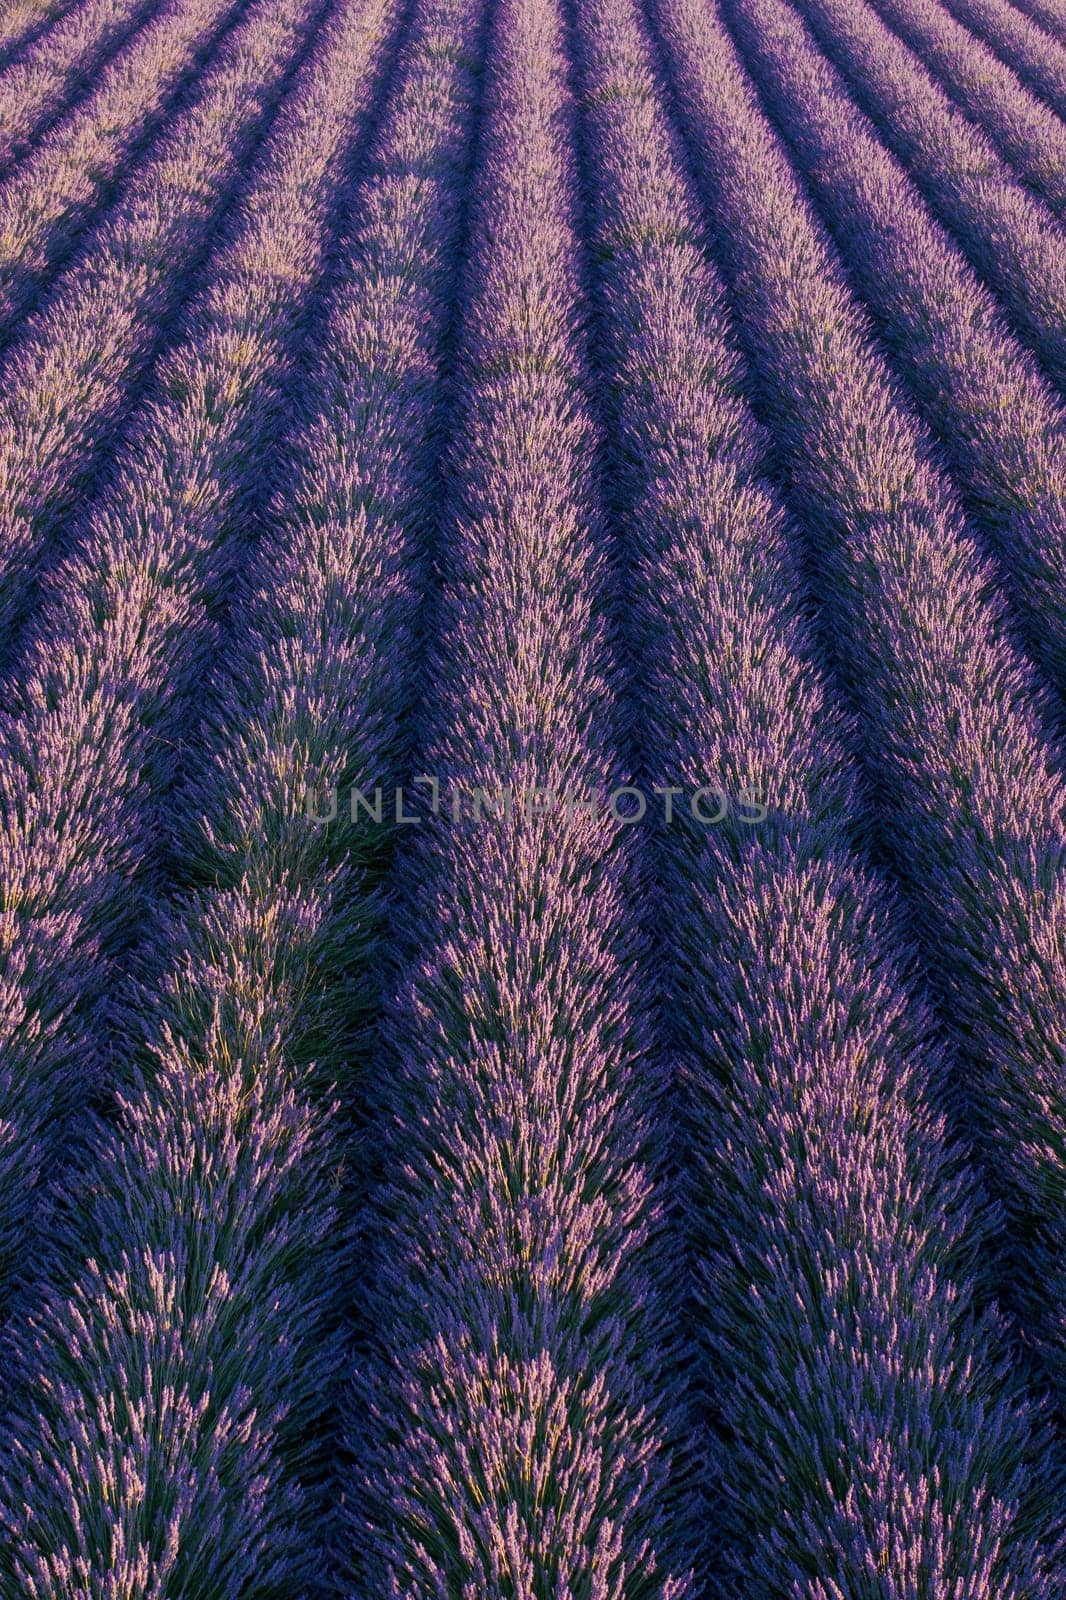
(533, 798)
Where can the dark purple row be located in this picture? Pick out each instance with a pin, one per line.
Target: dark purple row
(1001, 427)
(188, 1358)
(36, 90)
(1013, 240)
(124, 630)
(1039, 60)
(24, 24)
(511, 1420)
(863, 1431)
(968, 800)
(1046, 14)
(47, 202)
(64, 385)
(1025, 132)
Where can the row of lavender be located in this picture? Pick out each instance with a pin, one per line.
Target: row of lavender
(67, 378)
(24, 22)
(517, 1390)
(832, 1182)
(509, 1418)
(833, 1239)
(998, 421)
(1020, 43)
(187, 1282)
(1047, 15)
(50, 199)
(967, 801)
(837, 1245)
(967, 793)
(40, 88)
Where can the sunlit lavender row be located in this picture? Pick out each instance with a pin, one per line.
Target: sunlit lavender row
(518, 1193)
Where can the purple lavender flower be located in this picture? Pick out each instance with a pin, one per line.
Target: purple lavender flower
(1039, 60)
(1007, 233)
(64, 382)
(50, 198)
(514, 1203)
(1045, 15)
(91, 737)
(1001, 427)
(25, 22)
(1024, 131)
(845, 1371)
(512, 1422)
(36, 90)
(969, 804)
(187, 1352)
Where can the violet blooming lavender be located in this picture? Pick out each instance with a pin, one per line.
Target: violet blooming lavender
(512, 1416)
(1011, 238)
(96, 728)
(1002, 428)
(845, 1375)
(26, 21)
(46, 204)
(968, 800)
(1046, 15)
(63, 385)
(35, 90)
(1023, 129)
(1039, 60)
(205, 1292)
(516, 1204)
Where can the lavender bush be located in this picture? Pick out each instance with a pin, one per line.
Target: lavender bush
(510, 1419)
(1001, 426)
(1010, 237)
(25, 21)
(64, 384)
(1046, 15)
(820, 1196)
(1039, 60)
(504, 405)
(46, 204)
(1021, 127)
(36, 88)
(239, 1053)
(967, 797)
(86, 752)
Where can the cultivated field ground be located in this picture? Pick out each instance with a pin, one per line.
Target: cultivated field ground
(533, 799)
